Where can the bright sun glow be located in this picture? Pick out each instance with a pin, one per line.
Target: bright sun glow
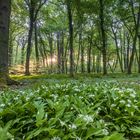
(52, 60)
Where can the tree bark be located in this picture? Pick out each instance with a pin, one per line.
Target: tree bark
(36, 45)
(69, 10)
(5, 9)
(117, 49)
(62, 53)
(139, 56)
(79, 50)
(89, 55)
(103, 34)
(51, 51)
(30, 33)
(10, 50)
(58, 53)
(137, 23)
(34, 8)
(23, 44)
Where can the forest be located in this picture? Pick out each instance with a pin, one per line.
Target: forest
(69, 69)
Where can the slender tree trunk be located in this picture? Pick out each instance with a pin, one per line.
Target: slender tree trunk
(66, 58)
(43, 56)
(36, 45)
(34, 8)
(125, 52)
(93, 61)
(139, 56)
(137, 23)
(98, 63)
(29, 45)
(89, 58)
(51, 51)
(43, 51)
(62, 53)
(58, 53)
(79, 49)
(117, 50)
(138, 53)
(82, 59)
(128, 51)
(121, 50)
(22, 54)
(69, 10)
(16, 55)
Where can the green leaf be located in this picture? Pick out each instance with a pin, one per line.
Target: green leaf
(36, 132)
(4, 132)
(136, 130)
(115, 136)
(40, 113)
(93, 132)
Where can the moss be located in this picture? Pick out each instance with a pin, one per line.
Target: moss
(3, 83)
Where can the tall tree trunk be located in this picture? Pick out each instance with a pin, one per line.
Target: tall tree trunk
(58, 53)
(43, 51)
(62, 52)
(51, 51)
(69, 10)
(16, 55)
(22, 54)
(5, 9)
(82, 59)
(128, 51)
(137, 23)
(34, 8)
(103, 34)
(124, 51)
(36, 45)
(93, 61)
(89, 57)
(98, 63)
(139, 56)
(121, 50)
(66, 54)
(79, 49)
(29, 45)
(117, 49)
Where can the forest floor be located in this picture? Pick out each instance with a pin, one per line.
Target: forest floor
(129, 81)
(86, 107)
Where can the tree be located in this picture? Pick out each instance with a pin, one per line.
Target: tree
(136, 28)
(5, 9)
(34, 7)
(103, 35)
(69, 10)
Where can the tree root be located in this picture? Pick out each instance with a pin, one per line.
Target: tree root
(12, 82)
(7, 81)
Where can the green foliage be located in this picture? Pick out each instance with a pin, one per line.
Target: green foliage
(4, 131)
(70, 110)
(114, 136)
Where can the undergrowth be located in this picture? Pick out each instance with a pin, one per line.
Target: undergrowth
(70, 110)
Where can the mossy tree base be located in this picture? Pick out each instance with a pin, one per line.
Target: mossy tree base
(5, 80)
